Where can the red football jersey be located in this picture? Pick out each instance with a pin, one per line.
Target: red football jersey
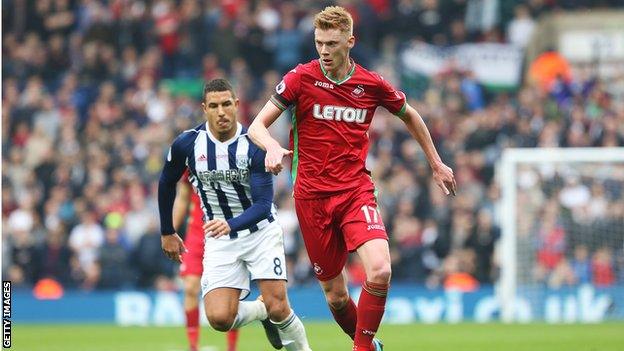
(330, 125)
(196, 215)
(196, 219)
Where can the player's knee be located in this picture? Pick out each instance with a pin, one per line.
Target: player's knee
(277, 305)
(191, 292)
(221, 322)
(278, 310)
(337, 300)
(380, 272)
(191, 288)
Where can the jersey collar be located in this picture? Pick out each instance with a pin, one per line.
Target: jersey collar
(338, 82)
(239, 129)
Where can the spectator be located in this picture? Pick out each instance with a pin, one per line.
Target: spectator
(430, 22)
(22, 252)
(407, 236)
(551, 239)
(562, 275)
(485, 233)
(53, 257)
(457, 271)
(581, 265)
(166, 27)
(113, 260)
(547, 68)
(85, 240)
(139, 218)
(603, 273)
(150, 264)
(520, 29)
(287, 45)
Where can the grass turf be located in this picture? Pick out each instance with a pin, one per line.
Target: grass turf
(328, 337)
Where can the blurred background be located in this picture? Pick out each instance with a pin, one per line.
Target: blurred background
(93, 93)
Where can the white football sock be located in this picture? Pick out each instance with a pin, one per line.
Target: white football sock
(293, 333)
(249, 311)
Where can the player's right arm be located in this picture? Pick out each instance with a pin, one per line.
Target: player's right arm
(286, 94)
(172, 244)
(260, 135)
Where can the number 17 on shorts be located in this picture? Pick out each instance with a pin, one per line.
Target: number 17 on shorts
(372, 217)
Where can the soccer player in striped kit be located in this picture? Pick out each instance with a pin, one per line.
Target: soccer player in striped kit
(188, 206)
(333, 100)
(243, 237)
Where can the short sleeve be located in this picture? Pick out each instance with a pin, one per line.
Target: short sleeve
(390, 98)
(288, 89)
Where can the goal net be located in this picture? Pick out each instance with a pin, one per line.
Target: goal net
(561, 251)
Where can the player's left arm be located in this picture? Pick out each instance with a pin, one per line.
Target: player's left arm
(442, 174)
(261, 185)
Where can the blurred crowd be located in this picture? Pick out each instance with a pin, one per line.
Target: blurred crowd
(570, 230)
(89, 109)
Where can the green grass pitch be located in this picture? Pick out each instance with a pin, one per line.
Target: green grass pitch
(328, 337)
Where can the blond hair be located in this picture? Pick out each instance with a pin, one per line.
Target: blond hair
(334, 17)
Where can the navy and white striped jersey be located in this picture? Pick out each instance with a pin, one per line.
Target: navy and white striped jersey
(229, 177)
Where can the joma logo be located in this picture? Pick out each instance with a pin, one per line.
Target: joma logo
(323, 85)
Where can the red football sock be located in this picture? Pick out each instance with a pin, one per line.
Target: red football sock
(192, 327)
(232, 339)
(346, 318)
(370, 310)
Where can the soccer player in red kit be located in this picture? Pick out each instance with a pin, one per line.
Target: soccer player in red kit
(191, 268)
(333, 100)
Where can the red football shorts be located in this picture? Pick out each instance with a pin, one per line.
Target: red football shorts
(192, 259)
(336, 225)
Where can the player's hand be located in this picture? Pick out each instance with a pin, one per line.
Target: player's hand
(216, 228)
(173, 247)
(273, 159)
(444, 178)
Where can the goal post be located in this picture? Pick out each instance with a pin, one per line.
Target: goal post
(542, 192)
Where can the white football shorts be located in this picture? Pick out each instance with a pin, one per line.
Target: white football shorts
(230, 263)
